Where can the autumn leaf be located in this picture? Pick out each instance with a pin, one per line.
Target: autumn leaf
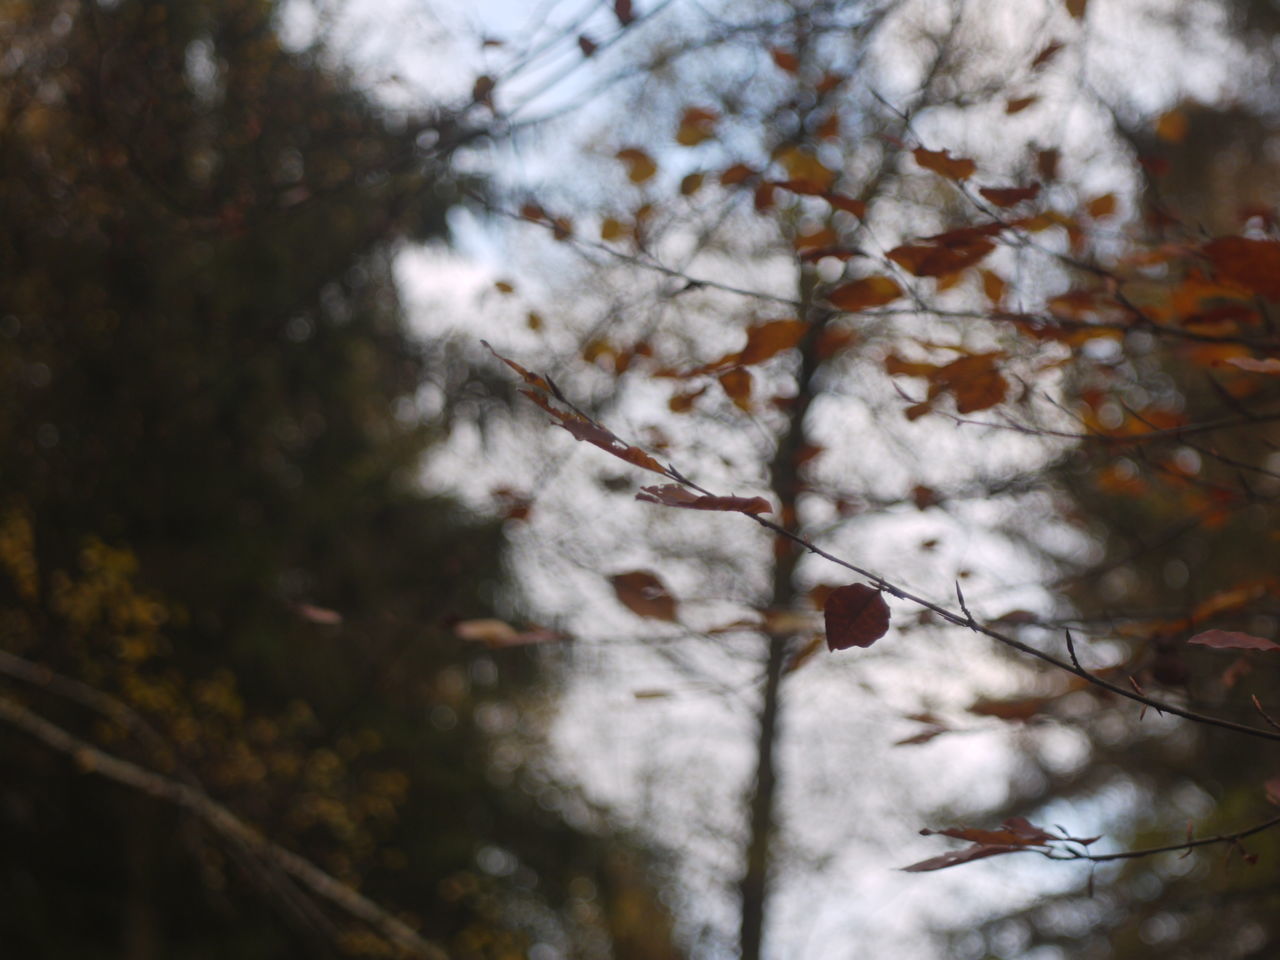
(1255, 365)
(847, 204)
(977, 851)
(1232, 640)
(1076, 8)
(696, 125)
(1014, 830)
(738, 173)
(645, 595)
(941, 162)
(1103, 206)
(1047, 53)
(874, 291)
(1018, 104)
(497, 634)
(622, 9)
(1252, 264)
(939, 256)
(587, 45)
(1010, 196)
(674, 495)
(1172, 126)
(768, 339)
(691, 184)
(856, 616)
(737, 384)
(640, 166)
(321, 615)
(785, 59)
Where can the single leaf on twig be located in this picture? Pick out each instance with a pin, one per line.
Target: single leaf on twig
(674, 495)
(941, 162)
(1232, 640)
(645, 595)
(956, 857)
(856, 616)
(1015, 830)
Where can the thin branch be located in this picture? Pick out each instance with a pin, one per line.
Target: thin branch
(1228, 838)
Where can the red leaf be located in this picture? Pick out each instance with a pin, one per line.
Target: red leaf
(587, 45)
(1252, 264)
(622, 8)
(856, 616)
(1231, 640)
(1013, 831)
(674, 495)
(785, 59)
(645, 595)
(956, 857)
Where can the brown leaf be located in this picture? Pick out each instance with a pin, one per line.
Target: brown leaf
(320, 615)
(645, 595)
(975, 382)
(956, 857)
(691, 184)
(674, 495)
(1103, 206)
(1047, 164)
(1255, 364)
(1076, 8)
(941, 162)
(738, 173)
(1018, 104)
(482, 89)
(1023, 709)
(1252, 264)
(696, 125)
(640, 166)
(1232, 640)
(1015, 830)
(737, 384)
(874, 291)
(497, 634)
(533, 379)
(938, 260)
(587, 45)
(785, 59)
(819, 237)
(856, 616)
(768, 339)
(1010, 196)
(624, 12)
(847, 204)
(1172, 126)
(1046, 54)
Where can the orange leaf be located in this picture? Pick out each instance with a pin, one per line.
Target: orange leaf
(873, 291)
(1018, 104)
(696, 125)
(975, 382)
(1171, 127)
(674, 495)
(993, 286)
(645, 595)
(941, 162)
(820, 237)
(856, 616)
(806, 173)
(938, 260)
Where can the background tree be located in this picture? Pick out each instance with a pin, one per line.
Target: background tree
(212, 517)
(996, 281)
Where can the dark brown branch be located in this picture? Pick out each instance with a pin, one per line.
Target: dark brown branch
(1229, 838)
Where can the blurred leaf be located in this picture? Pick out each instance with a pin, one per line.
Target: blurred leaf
(856, 616)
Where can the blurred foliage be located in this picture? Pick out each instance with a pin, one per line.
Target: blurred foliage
(209, 508)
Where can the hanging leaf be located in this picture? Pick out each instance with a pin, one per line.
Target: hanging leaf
(856, 616)
(768, 339)
(622, 9)
(847, 204)
(934, 260)
(587, 45)
(874, 291)
(1252, 264)
(640, 166)
(738, 173)
(674, 495)
(1010, 196)
(1046, 54)
(818, 238)
(1018, 104)
(645, 595)
(1076, 8)
(941, 162)
(737, 384)
(1103, 206)
(696, 125)
(956, 857)
(1231, 640)
(691, 184)
(1013, 831)
(785, 59)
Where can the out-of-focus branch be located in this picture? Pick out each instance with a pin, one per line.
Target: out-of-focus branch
(222, 821)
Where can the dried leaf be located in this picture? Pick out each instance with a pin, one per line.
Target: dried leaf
(785, 59)
(1018, 104)
(874, 291)
(696, 125)
(497, 634)
(1103, 206)
(1015, 830)
(1255, 364)
(640, 166)
(623, 11)
(691, 184)
(1010, 196)
(321, 615)
(1232, 640)
(738, 173)
(1172, 126)
(1076, 8)
(768, 339)
(674, 495)
(847, 204)
(587, 45)
(737, 384)
(1046, 54)
(1252, 264)
(645, 595)
(941, 162)
(937, 260)
(856, 616)
(956, 857)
